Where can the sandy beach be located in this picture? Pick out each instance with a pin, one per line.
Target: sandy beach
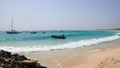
(105, 56)
(103, 59)
(59, 33)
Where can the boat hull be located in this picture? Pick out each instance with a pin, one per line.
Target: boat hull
(33, 32)
(58, 36)
(10, 32)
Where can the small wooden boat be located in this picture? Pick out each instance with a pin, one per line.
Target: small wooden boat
(61, 31)
(43, 32)
(58, 36)
(33, 32)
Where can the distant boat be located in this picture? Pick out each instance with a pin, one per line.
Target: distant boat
(43, 31)
(58, 36)
(61, 31)
(12, 31)
(33, 32)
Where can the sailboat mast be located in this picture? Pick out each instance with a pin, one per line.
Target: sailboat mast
(12, 30)
(12, 24)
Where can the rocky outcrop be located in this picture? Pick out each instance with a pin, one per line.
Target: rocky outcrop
(9, 60)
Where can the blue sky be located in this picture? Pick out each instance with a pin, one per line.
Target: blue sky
(59, 14)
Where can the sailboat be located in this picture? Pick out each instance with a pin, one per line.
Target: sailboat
(12, 31)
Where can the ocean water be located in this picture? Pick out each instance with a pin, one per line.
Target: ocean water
(27, 42)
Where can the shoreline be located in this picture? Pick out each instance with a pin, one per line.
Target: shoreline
(77, 57)
(93, 56)
(70, 45)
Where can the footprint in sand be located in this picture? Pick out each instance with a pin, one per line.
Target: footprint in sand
(113, 62)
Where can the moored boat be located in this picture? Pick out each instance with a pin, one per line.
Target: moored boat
(33, 32)
(58, 36)
(12, 31)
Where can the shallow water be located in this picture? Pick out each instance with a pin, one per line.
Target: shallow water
(26, 42)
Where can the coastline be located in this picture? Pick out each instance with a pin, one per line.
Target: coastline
(85, 57)
(93, 56)
(114, 30)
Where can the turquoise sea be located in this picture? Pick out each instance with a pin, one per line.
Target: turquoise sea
(42, 40)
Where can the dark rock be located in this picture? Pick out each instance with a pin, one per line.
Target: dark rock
(17, 61)
(5, 54)
(17, 57)
(43, 67)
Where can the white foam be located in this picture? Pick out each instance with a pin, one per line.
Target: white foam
(118, 33)
(80, 43)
